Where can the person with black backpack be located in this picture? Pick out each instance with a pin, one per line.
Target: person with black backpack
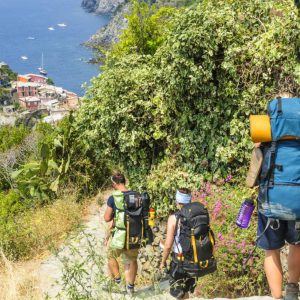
(127, 214)
(191, 242)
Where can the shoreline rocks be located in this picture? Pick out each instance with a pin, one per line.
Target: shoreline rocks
(89, 5)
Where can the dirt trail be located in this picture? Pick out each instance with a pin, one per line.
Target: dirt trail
(51, 269)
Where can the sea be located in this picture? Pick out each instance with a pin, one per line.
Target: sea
(54, 30)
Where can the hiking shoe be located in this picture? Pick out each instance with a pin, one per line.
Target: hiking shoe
(112, 286)
(130, 290)
(291, 291)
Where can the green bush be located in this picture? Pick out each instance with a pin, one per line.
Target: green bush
(190, 101)
(233, 244)
(10, 205)
(146, 31)
(12, 136)
(163, 182)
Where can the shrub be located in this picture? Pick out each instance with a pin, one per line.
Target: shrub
(12, 136)
(191, 100)
(146, 31)
(233, 245)
(164, 180)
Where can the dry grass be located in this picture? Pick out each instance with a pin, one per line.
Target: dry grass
(52, 223)
(18, 281)
(39, 230)
(44, 228)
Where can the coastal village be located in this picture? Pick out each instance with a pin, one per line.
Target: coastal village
(33, 96)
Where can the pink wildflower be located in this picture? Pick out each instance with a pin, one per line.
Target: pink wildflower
(220, 237)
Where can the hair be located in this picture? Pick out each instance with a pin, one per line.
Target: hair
(284, 95)
(184, 191)
(118, 178)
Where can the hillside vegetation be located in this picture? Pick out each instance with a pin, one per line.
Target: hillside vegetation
(170, 109)
(177, 101)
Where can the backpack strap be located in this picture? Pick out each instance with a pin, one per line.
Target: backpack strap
(270, 174)
(270, 223)
(179, 258)
(193, 242)
(297, 228)
(279, 105)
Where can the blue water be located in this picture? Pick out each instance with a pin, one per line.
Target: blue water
(64, 57)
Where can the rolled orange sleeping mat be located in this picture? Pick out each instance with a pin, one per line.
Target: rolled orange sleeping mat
(260, 128)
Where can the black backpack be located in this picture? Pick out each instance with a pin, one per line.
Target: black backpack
(138, 232)
(196, 240)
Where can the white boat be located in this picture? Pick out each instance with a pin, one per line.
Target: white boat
(41, 68)
(51, 28)
(61, 25)
(31, 38)
(24, 57)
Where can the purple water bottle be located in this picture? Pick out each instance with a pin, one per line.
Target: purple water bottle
(245, 213)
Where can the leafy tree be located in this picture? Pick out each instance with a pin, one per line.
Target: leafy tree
(50, 81)
(6, 76)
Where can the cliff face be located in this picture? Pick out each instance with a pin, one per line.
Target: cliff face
(102, 6)
(89, 5)
(111, 32)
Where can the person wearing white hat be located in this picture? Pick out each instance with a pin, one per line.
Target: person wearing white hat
(180, 285)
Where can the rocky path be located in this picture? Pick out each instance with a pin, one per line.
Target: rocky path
(53, 277)
(52, 270)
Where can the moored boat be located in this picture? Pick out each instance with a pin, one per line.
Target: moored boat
(41, 68)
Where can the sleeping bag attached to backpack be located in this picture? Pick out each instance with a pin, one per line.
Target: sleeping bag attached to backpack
(196, 240)
(279, 184)
(131, 220)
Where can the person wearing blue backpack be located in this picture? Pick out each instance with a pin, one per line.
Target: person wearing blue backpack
(279, 196)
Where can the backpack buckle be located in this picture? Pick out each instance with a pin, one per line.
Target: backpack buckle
(180, 257)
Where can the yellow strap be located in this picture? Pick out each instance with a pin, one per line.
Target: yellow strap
(205, 266)
(127, 232)
(194, 246)
(212, 242)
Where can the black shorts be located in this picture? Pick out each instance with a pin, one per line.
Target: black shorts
(275, 239)
(180, 283)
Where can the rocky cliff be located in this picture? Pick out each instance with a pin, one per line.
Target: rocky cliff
(102, 6)
(111, 32)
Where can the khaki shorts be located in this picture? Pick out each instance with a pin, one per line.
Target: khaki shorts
(128, 256)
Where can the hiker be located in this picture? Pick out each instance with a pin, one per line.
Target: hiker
(278, 164)
(272, 240)
(114, 216)
(184, 242)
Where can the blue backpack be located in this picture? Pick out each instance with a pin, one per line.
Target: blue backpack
(279, 182)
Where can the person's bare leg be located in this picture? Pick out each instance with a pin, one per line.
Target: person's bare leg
(130, 272)
(274, 272)
(113, 267)
(294, 263)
